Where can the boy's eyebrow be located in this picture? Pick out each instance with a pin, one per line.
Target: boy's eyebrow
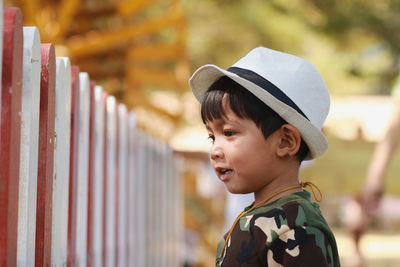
(219, 122)
(216, 122)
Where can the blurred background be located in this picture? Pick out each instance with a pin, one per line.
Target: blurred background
(143, 52)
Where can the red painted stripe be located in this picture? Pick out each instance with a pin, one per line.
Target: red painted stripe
(10, 134)
(45, 157)
(90, 181)
(73, 178)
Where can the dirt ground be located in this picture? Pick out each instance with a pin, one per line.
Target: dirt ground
(379, 249)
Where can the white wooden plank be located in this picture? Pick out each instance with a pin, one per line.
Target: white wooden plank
(172, 212)
(155, 201)
(59, 128)
(141, 199)
(132, 178)
(98, 176)
(122, 185)
(178, 224)
(164, 205)
(169, 219)
(159, 211)
(29, 147)
(110, 220)
(66, 144)
(73, 179)
(83, 169)
(150, 201)
(159, 228)
(61, 162)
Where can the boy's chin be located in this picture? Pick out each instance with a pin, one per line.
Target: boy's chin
(233, 190)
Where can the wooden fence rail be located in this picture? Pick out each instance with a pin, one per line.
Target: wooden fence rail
(80, 184)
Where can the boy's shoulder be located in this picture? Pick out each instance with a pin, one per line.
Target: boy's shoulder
(294, 210)
(292, 225)
(292, 214)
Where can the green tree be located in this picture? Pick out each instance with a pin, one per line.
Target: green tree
(354, 43)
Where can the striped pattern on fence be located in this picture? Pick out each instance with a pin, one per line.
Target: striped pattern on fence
(80, 184)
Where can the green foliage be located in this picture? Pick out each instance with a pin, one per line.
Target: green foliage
(343, 168)
(354, 43)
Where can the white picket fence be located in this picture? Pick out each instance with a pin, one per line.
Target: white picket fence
(80, 184)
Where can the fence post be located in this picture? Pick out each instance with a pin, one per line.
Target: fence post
(73, 162)
(82, 182)
(61, 161)
(148, 204)
(110, 183)
(169, 218)
(96, 174)
(45, 156)
(91, 203)
(140, 193)
(122, 185)
(164, 206)
(79, 184)
(67, 164)
(10, 134)
(177, 165)
(160, 228)
(1, 45)
(29, 147)
(132, 178)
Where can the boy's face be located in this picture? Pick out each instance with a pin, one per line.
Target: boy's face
(240, 155)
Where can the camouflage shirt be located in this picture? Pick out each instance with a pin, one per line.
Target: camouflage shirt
(290, 231)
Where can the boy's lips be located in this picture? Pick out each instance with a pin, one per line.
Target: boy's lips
(223, 173)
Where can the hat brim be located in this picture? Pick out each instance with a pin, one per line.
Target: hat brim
(206, 75)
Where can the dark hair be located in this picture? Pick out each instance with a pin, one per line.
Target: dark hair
(245, 105)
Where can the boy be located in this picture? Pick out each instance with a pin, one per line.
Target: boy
(264, 116)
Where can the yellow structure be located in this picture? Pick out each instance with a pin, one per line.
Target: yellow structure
(132, 47)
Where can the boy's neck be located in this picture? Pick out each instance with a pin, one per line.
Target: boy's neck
(280, 185)
(277, 196)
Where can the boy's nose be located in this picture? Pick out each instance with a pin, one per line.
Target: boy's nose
(216, 152)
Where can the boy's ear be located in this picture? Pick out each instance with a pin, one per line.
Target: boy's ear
(289, 141)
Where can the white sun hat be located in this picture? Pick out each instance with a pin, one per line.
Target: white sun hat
(290, 85)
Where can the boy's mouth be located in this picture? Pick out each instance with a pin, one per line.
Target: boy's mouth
(223, 173)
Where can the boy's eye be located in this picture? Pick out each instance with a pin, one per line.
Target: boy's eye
(229, 133)
(211, 137)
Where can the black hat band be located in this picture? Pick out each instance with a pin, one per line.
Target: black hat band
(267, 86)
